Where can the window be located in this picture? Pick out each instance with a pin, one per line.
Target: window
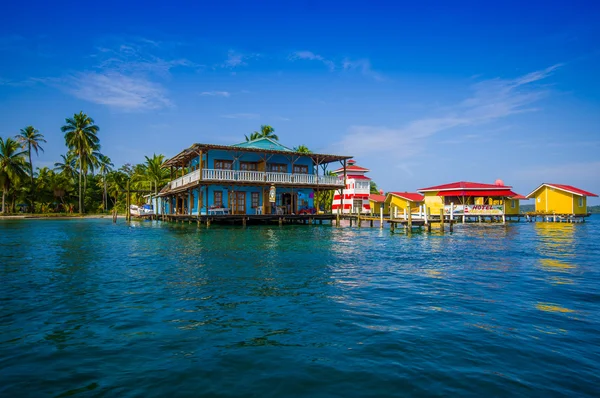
(277, 167)
(248, 166)
(299, 169)
(581, 201)
(218, 199)
(224, 164)
(513, 204)
(255, 196)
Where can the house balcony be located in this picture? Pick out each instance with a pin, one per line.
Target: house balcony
(259, 177)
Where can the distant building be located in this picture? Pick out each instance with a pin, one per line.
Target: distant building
(560, 199)
(356, 193)
(377, 202)
(403, 200)
(468, 198)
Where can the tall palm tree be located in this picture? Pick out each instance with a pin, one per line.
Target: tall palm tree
(266, 131)
(105, 166)
(12, 165)
(30, 138)
(81, 137)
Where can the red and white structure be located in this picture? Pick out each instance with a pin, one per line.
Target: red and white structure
(356, 193)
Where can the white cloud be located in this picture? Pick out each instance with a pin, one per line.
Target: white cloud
(241, 116)
(363, 66)
(235, 59)
(491, 100)
(308, 55)
(117, 90)
(216, 93)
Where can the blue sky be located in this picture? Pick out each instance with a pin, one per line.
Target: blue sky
(422, 94)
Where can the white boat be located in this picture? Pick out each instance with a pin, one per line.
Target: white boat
(141, 211)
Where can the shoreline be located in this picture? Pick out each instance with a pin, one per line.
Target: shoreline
(45, 217)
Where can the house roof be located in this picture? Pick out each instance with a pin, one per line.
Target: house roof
(562, 187)
(377, 198)
(462, 185)
(351, 168)
(266, 147)
(519, 197)
(505, 193)
(355, 177)
(263, 143)
(410, 196)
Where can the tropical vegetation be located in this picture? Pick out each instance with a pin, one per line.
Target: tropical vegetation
(266, 131)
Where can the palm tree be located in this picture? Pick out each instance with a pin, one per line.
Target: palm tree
(105, 166)
(12, 165)
(30, 138)
(68, 167)
(81, 137)
(266, 131)
(302, 149)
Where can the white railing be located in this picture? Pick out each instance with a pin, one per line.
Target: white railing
(284, 178)
(331, 180)
(251, 176)
(305, 178)
(219, 175)
(255, 176)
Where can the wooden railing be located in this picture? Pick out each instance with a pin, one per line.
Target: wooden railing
(255, 176)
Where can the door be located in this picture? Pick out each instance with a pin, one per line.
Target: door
(240, 203)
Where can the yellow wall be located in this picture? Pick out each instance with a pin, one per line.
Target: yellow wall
(394, 201)
(434, 202)
(375, 206)
(550, 200)
(509, 210)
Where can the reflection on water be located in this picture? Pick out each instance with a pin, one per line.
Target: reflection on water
(151, 308)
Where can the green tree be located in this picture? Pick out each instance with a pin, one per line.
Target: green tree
(302, 149)
(81, 138)
(30, 139)
(374, 189)
(266, 131)
(104, 167)
(68, 167)
(12, 166)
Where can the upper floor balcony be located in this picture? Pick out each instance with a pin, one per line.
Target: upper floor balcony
(260, 177)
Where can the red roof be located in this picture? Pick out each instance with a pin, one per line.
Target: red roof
(566, 188)
(355, 177)
(351, 167)
(519, 197)
(461, 185)
(410, 196)
(377, 198)
(479, 192)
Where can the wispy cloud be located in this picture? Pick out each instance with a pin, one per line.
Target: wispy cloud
(236, 59)
(241, 116)
(308, 55)
(119, 91)
(128, 76)
(491, 100)
(216, 93)
(363, 66)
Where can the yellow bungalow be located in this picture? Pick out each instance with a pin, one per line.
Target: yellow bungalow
(513, 205)
(560, 199)
(402, 200)
(376, 203)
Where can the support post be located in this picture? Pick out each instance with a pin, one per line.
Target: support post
(442, 220)
(405, 214)
(409, 218)
(380, 217)
(451, 211)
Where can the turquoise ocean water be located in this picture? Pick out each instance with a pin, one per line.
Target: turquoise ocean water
(88, 308)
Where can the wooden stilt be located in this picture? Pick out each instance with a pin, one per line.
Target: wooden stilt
(442, 220)
(409, 218)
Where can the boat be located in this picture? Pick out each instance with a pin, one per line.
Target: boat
(141, 211)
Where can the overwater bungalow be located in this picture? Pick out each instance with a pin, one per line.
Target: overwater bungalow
(400, 201)
(468, 199)
(377, 202)
(255, 177)
(560, 199)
